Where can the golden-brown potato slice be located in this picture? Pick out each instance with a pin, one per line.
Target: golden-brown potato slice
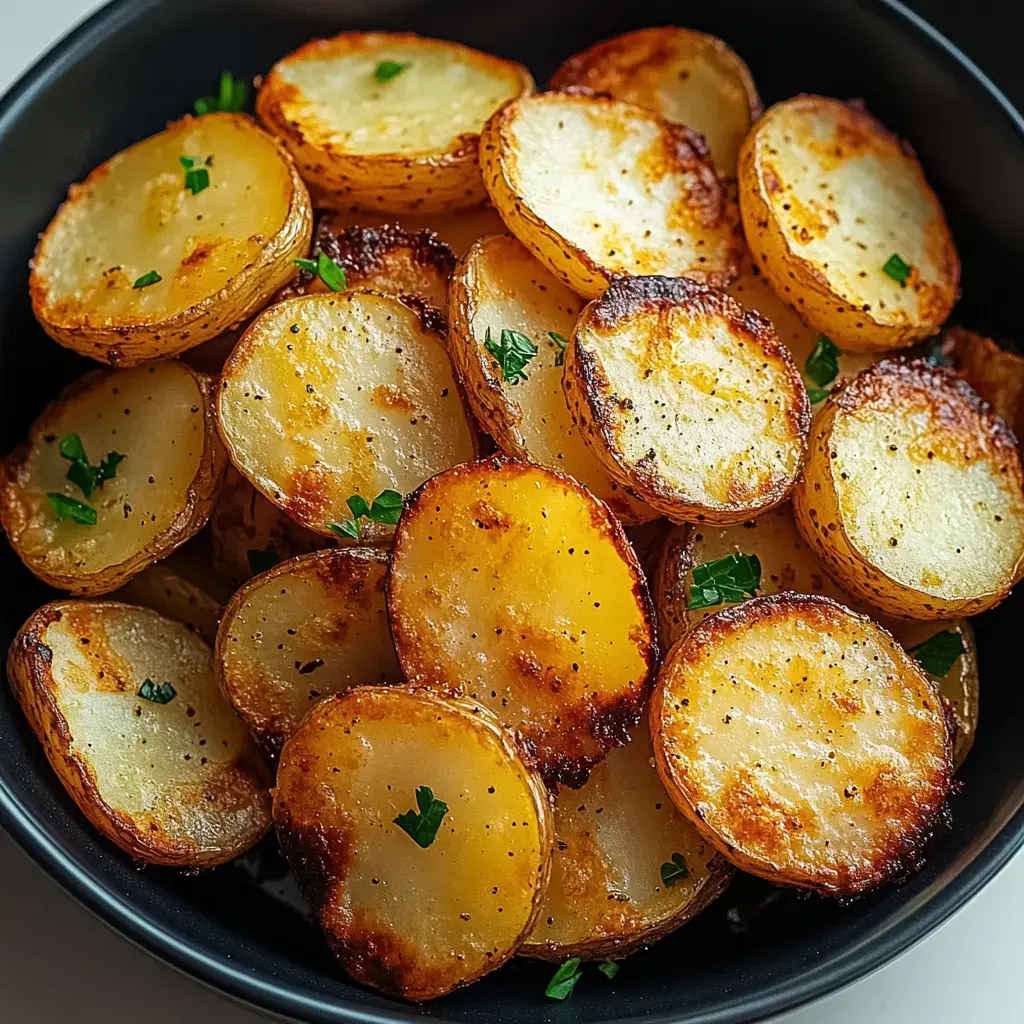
(413, 918)
(331, 395)
(607, 896)
(218, 256)
(173, 595)
(912, 494)
(995, 373)
(828, 198)
(598, 189)
(309, 628)
(802, 742)
(407, 143)
(160, 418)
(385, 259)
(685, 76)
(687, 399)
(511, 584)
(498, 285)
(177, 783)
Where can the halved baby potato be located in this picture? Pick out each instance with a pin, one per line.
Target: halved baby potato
(511, 584)
(614, 838)
(913, 493)
(306, 629)
(174, 596)
(687, 399)
(147, 258)
(803, 743)
(497, 286)
(420, 908)
(830, 199)
(996, 373)
(599, 189)
(388, 120)
(336, 394)
(172, 778)
(160, 419)
(685, 76)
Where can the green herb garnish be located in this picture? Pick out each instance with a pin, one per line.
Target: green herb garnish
(72, 508)
(197, 177)
(562, 345)
(162, 693)
(150, 277)
(561, 985)
(230, 98)
(386, 508)
(388, 69)
(84, 476)
(512, 353)
(817, 395)
(609, 969)
(261, 560)
(822, 364)
(727, 579)
(895, 267)
(937, 654)
(673, 870)
(422, 826)
(326, 269)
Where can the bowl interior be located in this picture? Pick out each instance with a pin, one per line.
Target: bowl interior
(140, 64)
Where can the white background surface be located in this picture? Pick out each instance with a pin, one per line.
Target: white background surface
(58, 964)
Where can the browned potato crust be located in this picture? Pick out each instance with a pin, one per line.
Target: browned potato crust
(828, 196)
(180, 783)
(413, 922)
(599, 189)
(913, 493)
(688, 400)
(407, 145)
(134, 214)
(160, 417)
(307, 629)
(802, 742)
(685, 76)
(511, 584)
(995, 373)
(606, 897)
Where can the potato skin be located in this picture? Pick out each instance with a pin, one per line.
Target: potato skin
(994, 372)
(16, 516)
(429, 181)
(864, 311)
(127, 340)
(960, 431)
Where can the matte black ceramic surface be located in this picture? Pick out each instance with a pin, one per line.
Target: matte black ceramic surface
(137, 65)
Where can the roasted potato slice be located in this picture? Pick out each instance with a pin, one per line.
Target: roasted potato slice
(309, 628)
(829, 199)
(146, 259)
(511, 584)
(160, 419)
(413, 917)
(173, 595)
(687, 399)
(385, 259)
(598, 189)
(331, 395)
(994, 372)
(608, 895)
(403, 143)
(172, 778)
(685, 76)
(498, 286)
(802, 742)
(912, 494)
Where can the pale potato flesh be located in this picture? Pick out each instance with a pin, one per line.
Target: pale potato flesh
(512, 585)
(157, 417)
(412, 921)
(803, 741)
(172, 595)
(359, 399)
(311, 627)
(500, 285)
(606, 895)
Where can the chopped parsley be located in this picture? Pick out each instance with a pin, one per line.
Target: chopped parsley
(609, 969)
(197, 177)
(673, 870)
(561, 344)
(72, 508)
(822, 364)
(422, 826)
(231, 97)
(261, 560)
(326, 269)
(82, 474)
(388, 69)
(386, 509)
(937, 654)
(731, 579)
(564, 981)
(817, 395)
(512, 353)
(897, 269)
(158, 693)
(148, 278)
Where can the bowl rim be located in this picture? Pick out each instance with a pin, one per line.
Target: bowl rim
(285, 1002)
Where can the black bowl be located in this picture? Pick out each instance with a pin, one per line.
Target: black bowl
(138, 64)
